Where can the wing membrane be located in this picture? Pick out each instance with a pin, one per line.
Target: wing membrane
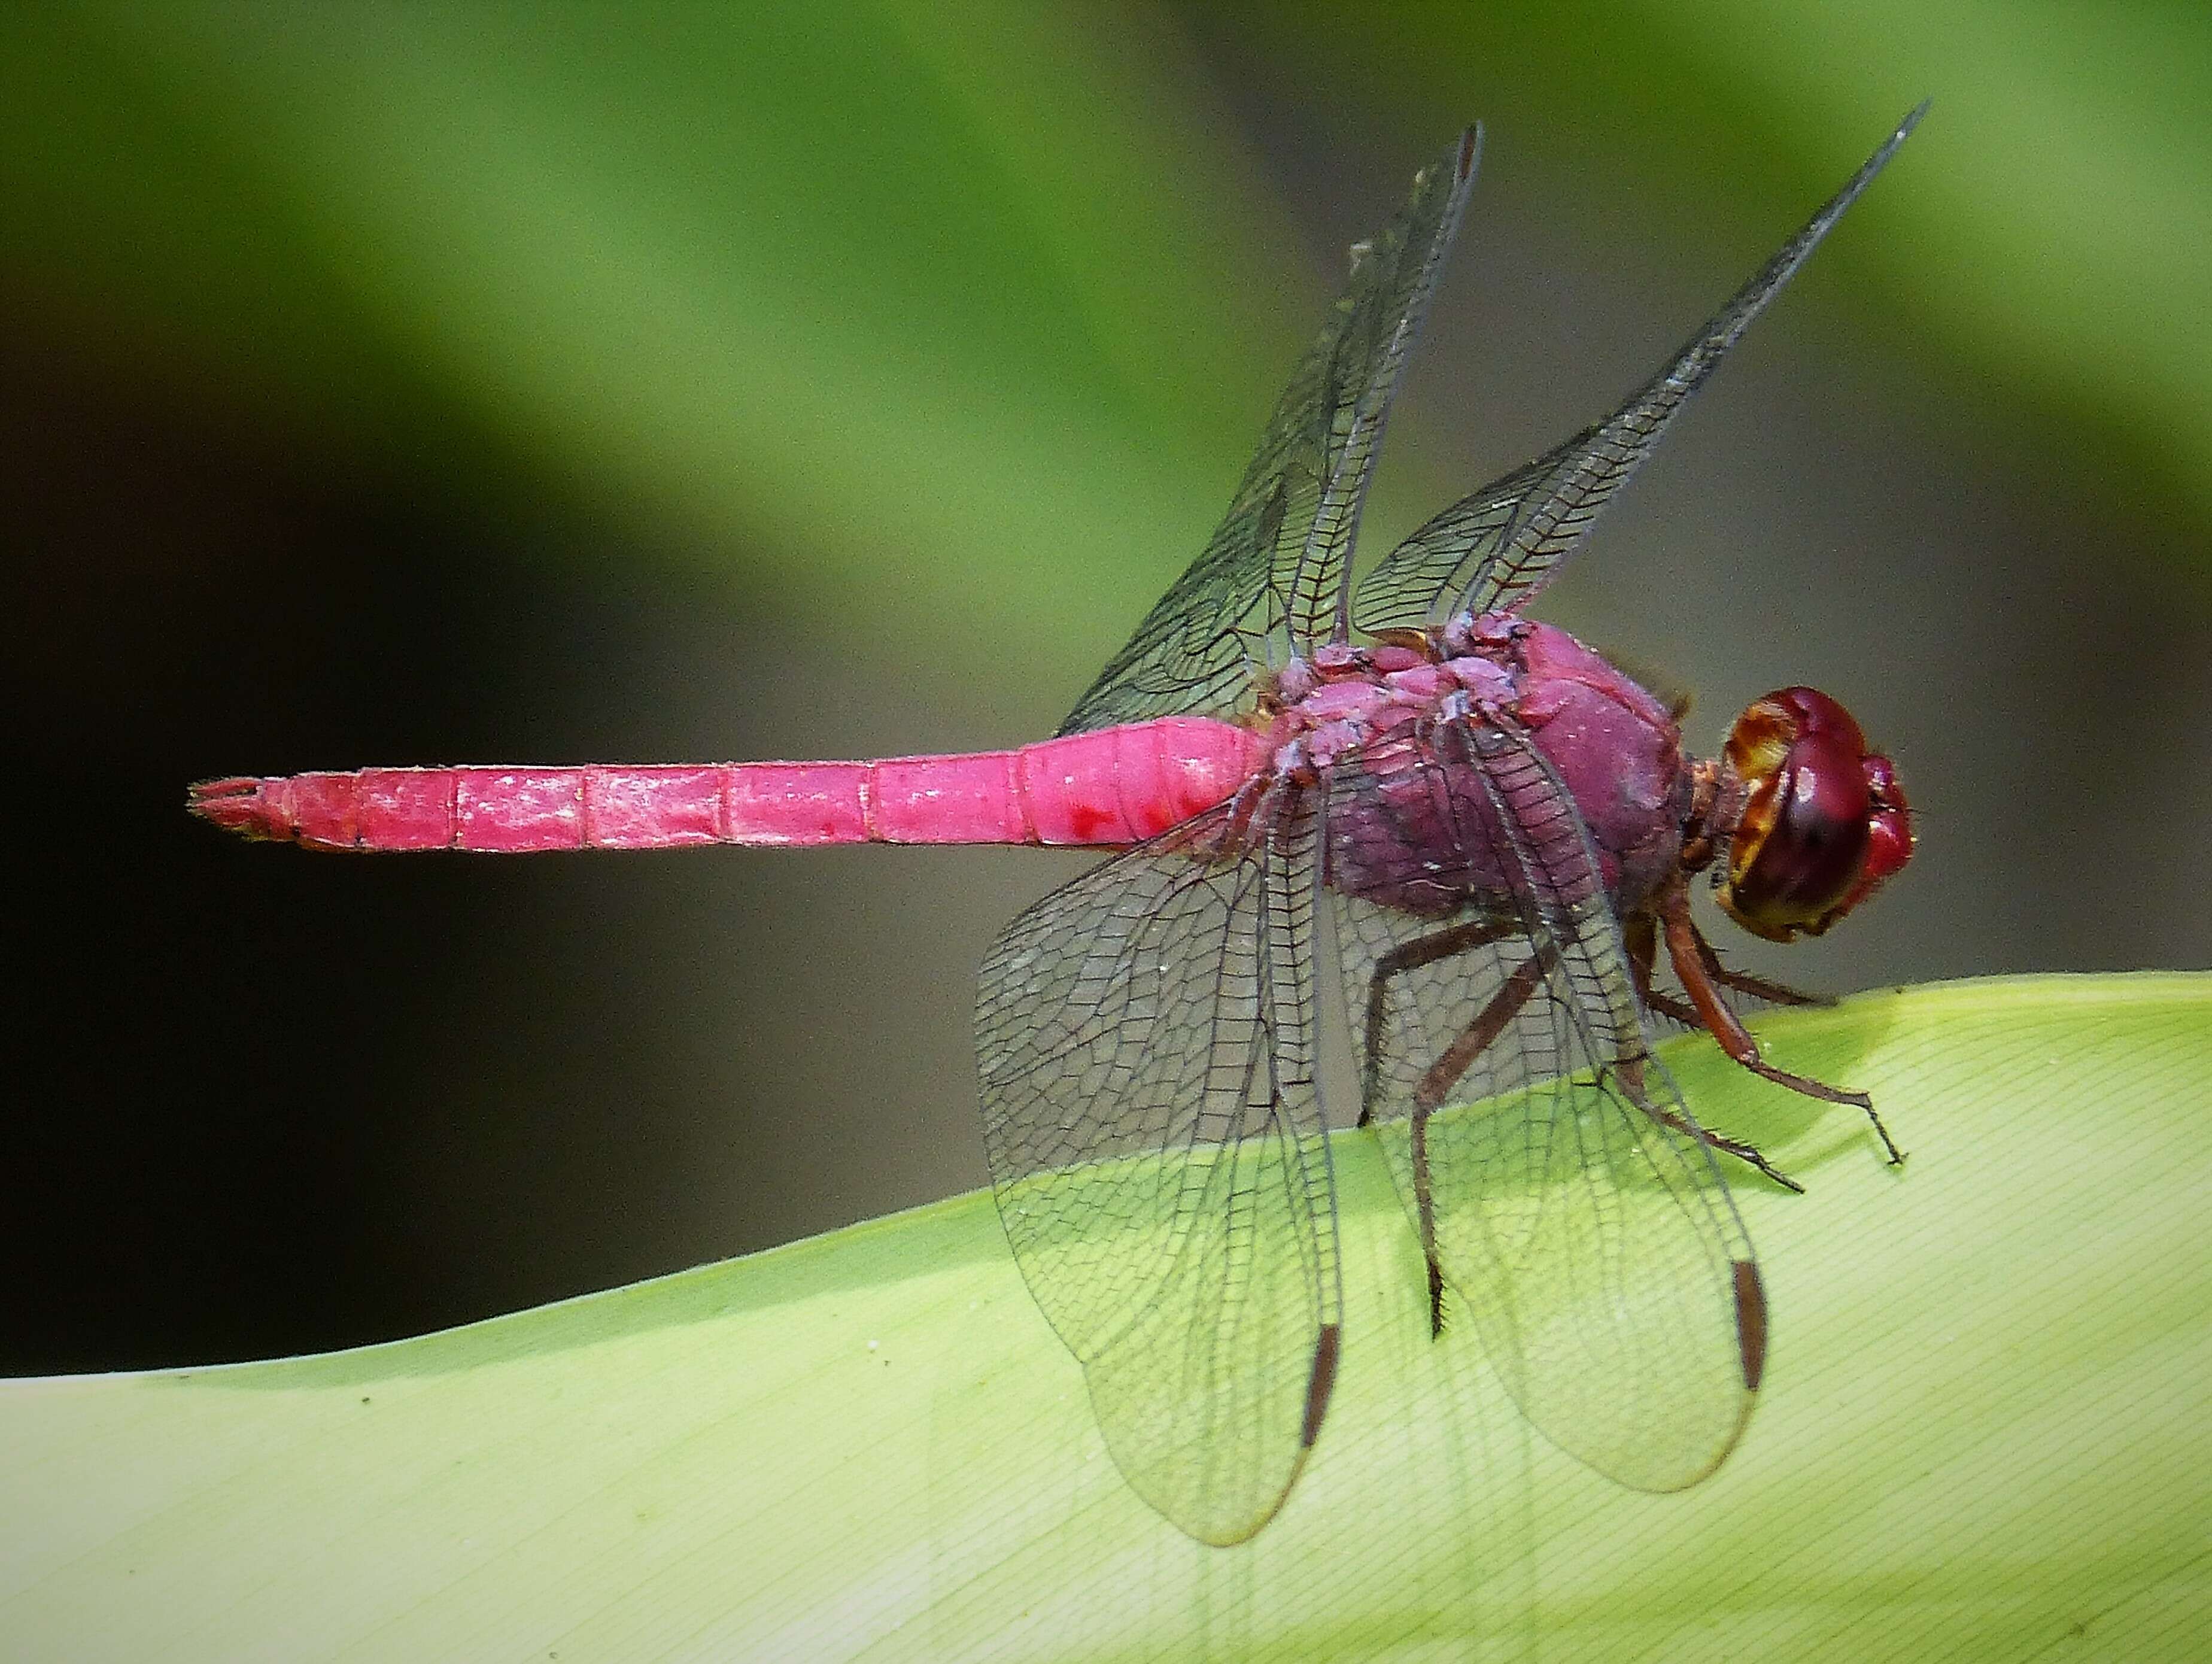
(1143, 1037)
(1495, 548)
(1271, 581)
(1553, 1168)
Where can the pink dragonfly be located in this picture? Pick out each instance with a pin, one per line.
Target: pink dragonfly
(1502, 829)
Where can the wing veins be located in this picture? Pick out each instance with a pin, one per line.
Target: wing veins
(1259, 593)
(1454, 562)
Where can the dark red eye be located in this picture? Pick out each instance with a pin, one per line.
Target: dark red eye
(1823, 820)
(1889, 831)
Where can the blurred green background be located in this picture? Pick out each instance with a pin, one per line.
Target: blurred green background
(401, 384)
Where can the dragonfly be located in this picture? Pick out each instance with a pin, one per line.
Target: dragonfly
(1400, 803)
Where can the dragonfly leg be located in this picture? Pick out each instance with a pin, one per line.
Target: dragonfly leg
(1760, 987)
(1409, 957)
(1750, 1154)
(1687, 949)
(1641, 934)
(1429, 1095)
(1476, 1039)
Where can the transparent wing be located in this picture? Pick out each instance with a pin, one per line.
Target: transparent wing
(1145, 1039)
(1272, 580)
(1493, 550)
(1545, 1157)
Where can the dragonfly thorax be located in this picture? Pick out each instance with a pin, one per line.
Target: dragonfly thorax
(1384, 732)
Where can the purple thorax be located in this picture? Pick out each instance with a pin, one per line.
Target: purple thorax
(1410, 825)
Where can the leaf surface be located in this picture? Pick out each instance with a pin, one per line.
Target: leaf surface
(1981, 1432)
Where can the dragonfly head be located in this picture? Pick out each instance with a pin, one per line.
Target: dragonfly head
(1824, 821)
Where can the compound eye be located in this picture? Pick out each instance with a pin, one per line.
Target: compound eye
(1889, 832)
(1816, 803)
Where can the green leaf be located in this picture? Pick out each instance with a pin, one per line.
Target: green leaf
(1982, 1433)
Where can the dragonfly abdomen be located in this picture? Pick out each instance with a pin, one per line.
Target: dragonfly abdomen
(1116, 785)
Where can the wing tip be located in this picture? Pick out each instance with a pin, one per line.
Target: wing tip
(1872, 165)
(1320, 1383)
(1750, 1322)
(1223, 1528)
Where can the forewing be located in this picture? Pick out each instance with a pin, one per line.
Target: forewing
(1588, 1233)
(1272, 578)
(1493, 550)
(1144, 1040)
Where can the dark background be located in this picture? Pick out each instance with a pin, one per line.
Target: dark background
(537, 388)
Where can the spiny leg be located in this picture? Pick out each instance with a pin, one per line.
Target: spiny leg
(1750, 1154)
(1642, 939)
(1478, 1036)
(1758, 987)
(1428, 1096)
(1690, 954)
(1640, 935)
(1411, 956)
(1641, 932)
